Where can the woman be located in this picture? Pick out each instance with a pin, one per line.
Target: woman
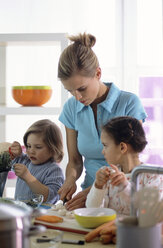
(92, 105)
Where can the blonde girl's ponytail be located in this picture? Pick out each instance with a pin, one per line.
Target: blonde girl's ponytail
(78, 58)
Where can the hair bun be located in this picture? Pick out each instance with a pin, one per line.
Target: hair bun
(87, 40)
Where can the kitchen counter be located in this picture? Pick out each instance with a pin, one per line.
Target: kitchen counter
(71, 231)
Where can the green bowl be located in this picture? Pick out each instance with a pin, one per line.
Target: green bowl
(93, 217)
(32, 87)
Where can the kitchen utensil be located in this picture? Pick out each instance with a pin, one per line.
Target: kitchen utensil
(158, 211)
(47, 239)
(134, 235)
(93, 217)
(64, 241)
(35, 201)
(154, 169)
(5, 161)
(5, 167)
(128, 220)
(15, 225)
(146, 200)
(64, 201)
(3, 178)
(150, 208)
(131, 235)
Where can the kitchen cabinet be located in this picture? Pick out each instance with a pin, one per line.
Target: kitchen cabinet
(26, 39)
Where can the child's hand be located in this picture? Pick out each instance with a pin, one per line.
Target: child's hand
(102, 176)
(117, 177)
(21, 171)
(15, 149)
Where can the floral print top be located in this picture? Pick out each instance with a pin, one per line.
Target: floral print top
(118, 197)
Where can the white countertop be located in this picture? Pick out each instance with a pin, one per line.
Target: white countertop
(71, 231)
(76, 236)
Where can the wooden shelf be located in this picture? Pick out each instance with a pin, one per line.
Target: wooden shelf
(37, 38)
(26, 39)
(5, 110)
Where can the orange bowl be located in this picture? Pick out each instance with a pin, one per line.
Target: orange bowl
(31, 95)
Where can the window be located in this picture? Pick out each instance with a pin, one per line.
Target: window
(143, 67)
(151, 92)
(129, 47)
(150, 75)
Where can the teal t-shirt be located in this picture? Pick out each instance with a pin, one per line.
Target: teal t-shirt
(79, 117)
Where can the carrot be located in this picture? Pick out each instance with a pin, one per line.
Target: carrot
(96, 232)
(106, 238)
(50, 218)
(114, 239)
(111, 229)
(114, 231)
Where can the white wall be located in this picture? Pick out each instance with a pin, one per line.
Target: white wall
(69, 16)
(50, 16)
(35, 16)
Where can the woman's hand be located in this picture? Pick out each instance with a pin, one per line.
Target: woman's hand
(21, 171)
(78, 201)
(15, 149)
(74, 167)
(117, 177)
(68, 189)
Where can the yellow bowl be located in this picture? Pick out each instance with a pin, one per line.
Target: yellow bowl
(93, 217)
(31, 95)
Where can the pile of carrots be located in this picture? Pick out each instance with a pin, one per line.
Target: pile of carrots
(106, 233)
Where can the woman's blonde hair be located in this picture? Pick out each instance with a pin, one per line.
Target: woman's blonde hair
(51, 135)
(78, 57)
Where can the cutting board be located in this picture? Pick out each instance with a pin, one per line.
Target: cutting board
(69, 225)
